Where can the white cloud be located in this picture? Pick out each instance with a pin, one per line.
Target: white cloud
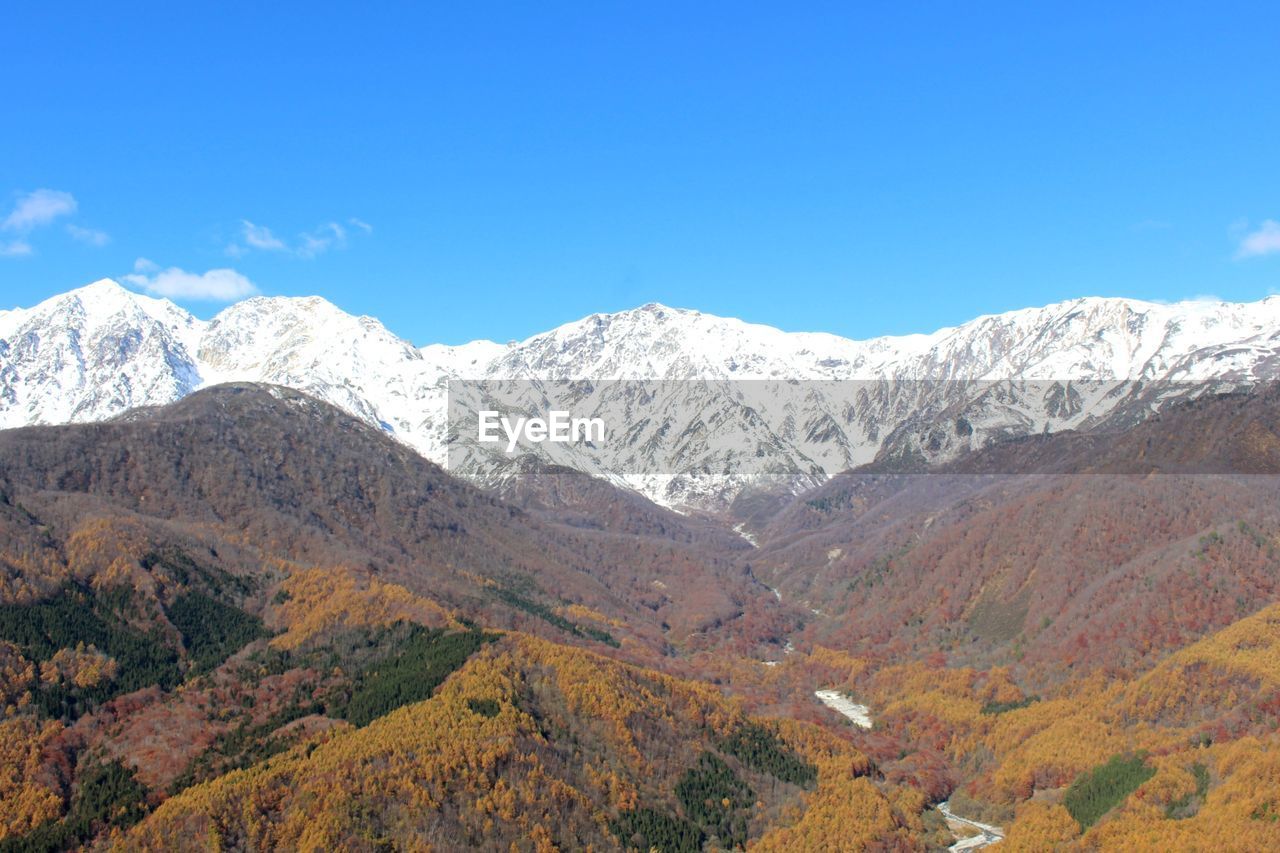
(310, 244)
(260, 237)
(1263, 241)
(38, 208)
(89, 236)
(220, 285)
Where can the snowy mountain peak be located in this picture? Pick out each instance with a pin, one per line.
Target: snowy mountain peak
(104, 290)
(107, 295)
(103, 303)
(657, 341)
(92, 353)
(300, 340)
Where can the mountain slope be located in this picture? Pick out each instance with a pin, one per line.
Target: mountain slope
(248, 618)
(1184, 754)
(537, 746)
(274, 467)
(250, 597)
(1054, 554)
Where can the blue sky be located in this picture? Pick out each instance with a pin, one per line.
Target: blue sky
(491, 170)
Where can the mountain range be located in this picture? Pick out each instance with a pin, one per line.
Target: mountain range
(729, 408)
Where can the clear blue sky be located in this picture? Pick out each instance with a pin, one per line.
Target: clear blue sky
(856, 168)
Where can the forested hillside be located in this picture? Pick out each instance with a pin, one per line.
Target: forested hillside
(249, 621)
(1057, 554)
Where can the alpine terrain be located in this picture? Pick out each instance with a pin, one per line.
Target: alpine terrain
(728, 407)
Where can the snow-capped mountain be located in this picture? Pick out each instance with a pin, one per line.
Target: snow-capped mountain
(699, 406)
(92, 353)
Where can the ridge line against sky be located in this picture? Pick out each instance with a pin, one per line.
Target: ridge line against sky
(465, 174)
(215, 309)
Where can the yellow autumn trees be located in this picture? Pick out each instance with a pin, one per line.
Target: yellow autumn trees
(1012, 748)
(26, 800)
(17, 677)
(427, 773)
(1241, 810)
(84, 666)
(529, 742)
(1040, 826)
(315, 601)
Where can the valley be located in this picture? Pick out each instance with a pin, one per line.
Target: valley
(859, 715)
(251, 618)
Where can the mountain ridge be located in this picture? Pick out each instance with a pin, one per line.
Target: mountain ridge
(99, 350)
(107, 290)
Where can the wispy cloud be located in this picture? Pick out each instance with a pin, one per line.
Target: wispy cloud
(308, 245)
(38, 208)
(219, 285)
(331, 235)
(1264, 240)
(260, 237)
(31, 211)
(89, 236)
